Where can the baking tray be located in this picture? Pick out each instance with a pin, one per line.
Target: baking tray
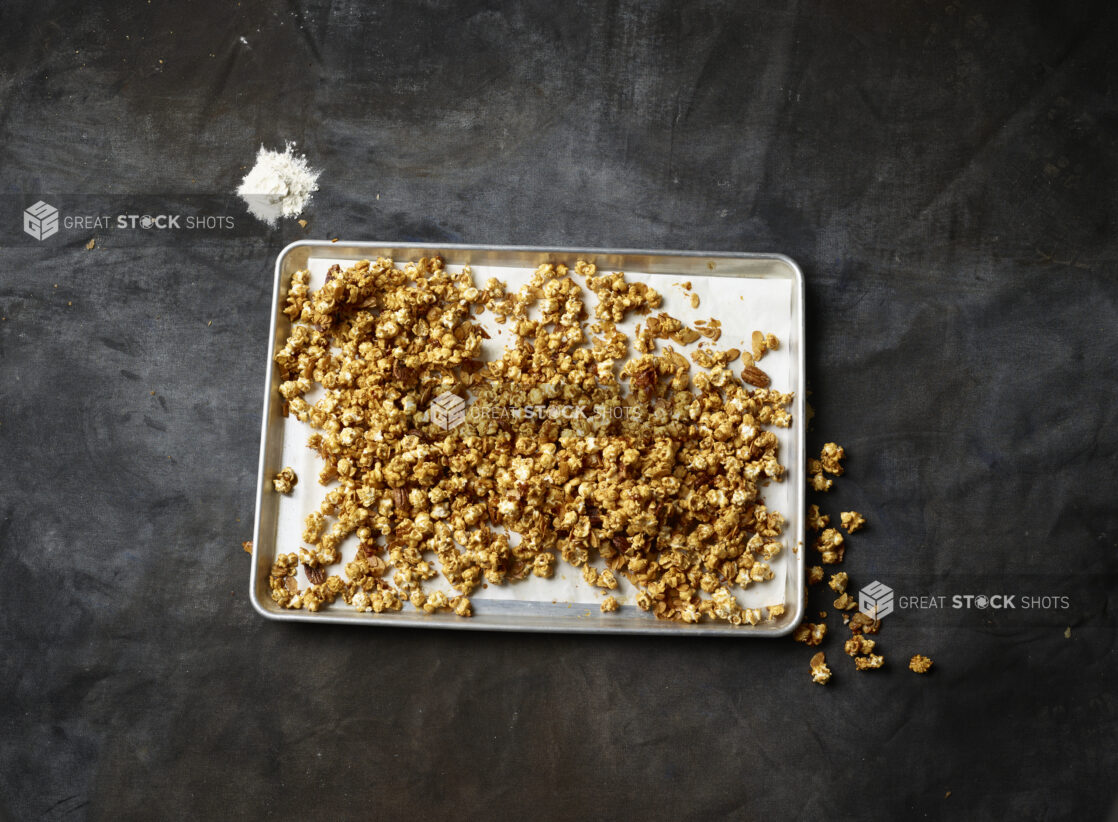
(533, 605)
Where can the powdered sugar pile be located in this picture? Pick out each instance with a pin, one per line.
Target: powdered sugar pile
(279, 185)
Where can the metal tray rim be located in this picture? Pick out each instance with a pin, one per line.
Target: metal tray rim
(654, 628)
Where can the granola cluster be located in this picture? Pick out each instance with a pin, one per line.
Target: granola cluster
(627, 458)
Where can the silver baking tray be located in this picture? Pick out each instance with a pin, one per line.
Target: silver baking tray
(512, 607)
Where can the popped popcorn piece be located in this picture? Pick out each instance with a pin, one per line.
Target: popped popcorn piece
(810, 633)
(845, 602)
(815, 520)
(830, 545)
(862, 624)
(606, 580)
(831, 458)
(285, 481)
(820, 673)
(852, 521)
(920, 664)
(866, 663)
(858, 644)
(814, 574)
(838, 582)
(609, 604)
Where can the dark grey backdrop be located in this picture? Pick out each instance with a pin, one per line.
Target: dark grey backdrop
(946, 175)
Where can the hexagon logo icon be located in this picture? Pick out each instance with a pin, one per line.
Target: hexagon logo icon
(876, 600)
(448, 410)
(41, 220)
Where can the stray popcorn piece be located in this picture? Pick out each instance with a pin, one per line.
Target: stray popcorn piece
(830, 545)
(862, 624)
(866, 663)
(285, 480)
(810, 633)
(821, 483)
(831, 458)
(775, 612)
(815, 520)
(247, 546)
(858, 644)
(845, 602)
(820, 673)
(609, 604)
(920, 664)
(814, 574)
(838, 582)
(852, 521)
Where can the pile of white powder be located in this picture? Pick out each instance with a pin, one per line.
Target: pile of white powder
(279, 185)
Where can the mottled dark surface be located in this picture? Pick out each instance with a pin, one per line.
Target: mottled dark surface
(947, 176)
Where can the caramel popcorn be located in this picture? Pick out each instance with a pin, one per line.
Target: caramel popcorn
(810, 633)
(852, 521)
(662, 483)
(920, 664)
(865, 663)
(858, 644)
(831, 458)
(860, 623)
(815, 520)
(814, 575)
(820, 673)
(845, 602)
(838, 582)
(285, 481)
(830, 545)
(609, 604)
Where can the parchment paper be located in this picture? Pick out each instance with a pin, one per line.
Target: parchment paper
(741, 304)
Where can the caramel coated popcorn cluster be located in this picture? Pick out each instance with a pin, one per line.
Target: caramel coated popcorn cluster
(831, 546)
(653, 470)
(285, 481)
(920, 664)
(820, 673)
